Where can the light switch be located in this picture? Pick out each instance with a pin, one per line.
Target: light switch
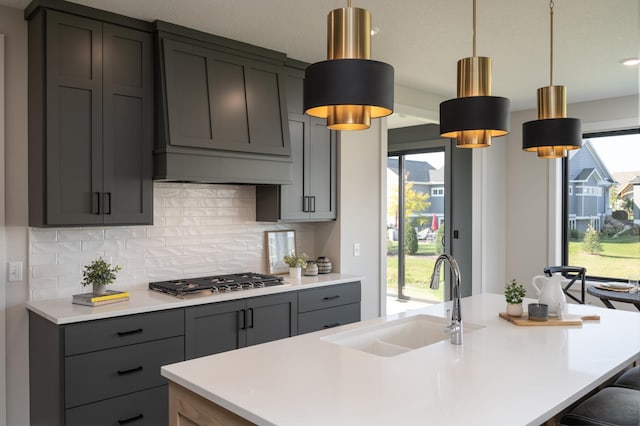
(15, 271)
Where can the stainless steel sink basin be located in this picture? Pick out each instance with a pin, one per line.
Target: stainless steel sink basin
(397, 337)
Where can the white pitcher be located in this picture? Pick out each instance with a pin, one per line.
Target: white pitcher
(550, 292)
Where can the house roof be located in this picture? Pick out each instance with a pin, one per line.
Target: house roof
(418, 171)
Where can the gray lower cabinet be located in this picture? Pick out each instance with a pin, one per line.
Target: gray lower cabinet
(224, 326)
(90, 118)
(104, 371)
(326, 307)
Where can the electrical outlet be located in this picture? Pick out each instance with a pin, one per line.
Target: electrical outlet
(15, 271)
(356, 249)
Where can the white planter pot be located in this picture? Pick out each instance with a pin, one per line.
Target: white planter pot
(514, 309)
(295, 273)
(99, 289)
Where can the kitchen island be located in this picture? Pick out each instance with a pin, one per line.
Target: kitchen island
(502, 374)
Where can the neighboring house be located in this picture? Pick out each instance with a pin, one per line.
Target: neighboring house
(631, 191)
(425, 179)
(589, 184)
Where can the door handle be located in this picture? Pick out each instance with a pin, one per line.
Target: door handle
(251, 314)
(242, 319)
(305, 203)
(95, 203)
(107, 196)
(313, 203)
(130, 419)
(129, 333)
(129, 371)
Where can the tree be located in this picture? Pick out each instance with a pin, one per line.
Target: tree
(411, 238)
(628, 206)
(591, 241)
(414, 201)
(613, 196)
(439, 240)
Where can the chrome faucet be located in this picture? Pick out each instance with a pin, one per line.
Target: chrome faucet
(454, 328)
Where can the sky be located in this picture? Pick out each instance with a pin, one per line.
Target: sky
(619, 153)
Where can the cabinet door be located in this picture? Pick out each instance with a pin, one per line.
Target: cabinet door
(127, 125)
(73, 120)
(321, 170)
(271, 317)
(294, 204)
(214, 328)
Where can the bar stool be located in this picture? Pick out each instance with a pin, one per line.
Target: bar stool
(610, 406)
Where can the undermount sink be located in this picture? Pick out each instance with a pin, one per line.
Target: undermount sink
(397, 337)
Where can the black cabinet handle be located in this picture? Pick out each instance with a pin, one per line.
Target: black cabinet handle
(242, 314)
(313, 203)
(305, 203)
(331, 297)
(129, 371)
(107, 203)
(130, 419)
(335, 324)
(95, 202)
(129, 333)
(251, 312)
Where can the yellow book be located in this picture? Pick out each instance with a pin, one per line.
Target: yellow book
(93, 298)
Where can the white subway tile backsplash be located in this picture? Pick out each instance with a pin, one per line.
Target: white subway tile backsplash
(199, 229)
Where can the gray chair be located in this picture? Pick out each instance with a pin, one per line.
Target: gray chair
(610, 406)
(630, 379)
(573, 274)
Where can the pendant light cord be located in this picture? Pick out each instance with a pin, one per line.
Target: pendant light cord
(551, 43)
(474, 27)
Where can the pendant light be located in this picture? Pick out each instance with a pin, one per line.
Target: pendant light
(474, 116)
(552, 134)
(348, 89)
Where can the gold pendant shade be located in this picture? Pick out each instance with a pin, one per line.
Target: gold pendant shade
(348, 89)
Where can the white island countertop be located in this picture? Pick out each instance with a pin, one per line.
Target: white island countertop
(62, 311)
(502, 375)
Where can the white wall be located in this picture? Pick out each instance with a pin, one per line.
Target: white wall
(14, 27)
(531, 210)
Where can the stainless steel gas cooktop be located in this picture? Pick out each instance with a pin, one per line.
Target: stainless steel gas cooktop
(216, 284)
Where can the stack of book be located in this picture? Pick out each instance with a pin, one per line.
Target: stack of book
(91, 299)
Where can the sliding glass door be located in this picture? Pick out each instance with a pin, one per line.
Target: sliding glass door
(415, 222)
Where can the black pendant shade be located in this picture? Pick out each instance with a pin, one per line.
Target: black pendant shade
(490, 113)
(565, 133)
(343, 82)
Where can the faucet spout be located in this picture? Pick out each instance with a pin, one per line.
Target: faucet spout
(455, 326)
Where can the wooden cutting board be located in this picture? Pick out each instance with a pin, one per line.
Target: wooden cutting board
(567, 320)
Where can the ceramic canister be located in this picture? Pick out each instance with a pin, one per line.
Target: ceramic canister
(324, 265)
(311, 269)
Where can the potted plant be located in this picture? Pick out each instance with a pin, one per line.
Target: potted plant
(99, 274)
(513, 293)
(296, 263)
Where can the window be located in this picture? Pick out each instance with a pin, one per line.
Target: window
(601, 199)
(437, 192)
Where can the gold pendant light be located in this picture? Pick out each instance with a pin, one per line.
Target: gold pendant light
(552, 134)
(474, 116)
(348, 89)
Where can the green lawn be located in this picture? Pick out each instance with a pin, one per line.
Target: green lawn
(418, 272)
(620, 258)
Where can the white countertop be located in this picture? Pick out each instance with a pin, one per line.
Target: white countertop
(502, 375)
(62, 311)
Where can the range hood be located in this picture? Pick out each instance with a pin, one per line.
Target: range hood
(221, 112)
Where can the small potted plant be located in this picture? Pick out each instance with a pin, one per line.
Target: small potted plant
(296, 263)
(99, 274)
(513, 293)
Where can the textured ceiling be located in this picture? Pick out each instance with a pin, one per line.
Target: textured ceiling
(423, 39)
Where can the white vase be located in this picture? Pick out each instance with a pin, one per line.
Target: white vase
(295, 273)
(99, 289)
(514, 309)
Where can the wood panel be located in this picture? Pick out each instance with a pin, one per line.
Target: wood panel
(188, 409)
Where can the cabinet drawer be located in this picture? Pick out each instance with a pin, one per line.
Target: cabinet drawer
(327, 318)
(105, 374)
(146, 408)
(111, 333)
(327, 297)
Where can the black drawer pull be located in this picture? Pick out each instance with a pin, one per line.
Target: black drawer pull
(335, 324)
(331, 297)
(129, 333)
(130, 371)
(131, 419)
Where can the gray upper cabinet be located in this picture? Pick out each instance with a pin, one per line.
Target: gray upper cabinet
(90, 121)
(312, 196)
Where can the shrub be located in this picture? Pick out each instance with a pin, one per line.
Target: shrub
(574, 234)
(620, 215)
(411, 239)
(438, 244)
(591, 241)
